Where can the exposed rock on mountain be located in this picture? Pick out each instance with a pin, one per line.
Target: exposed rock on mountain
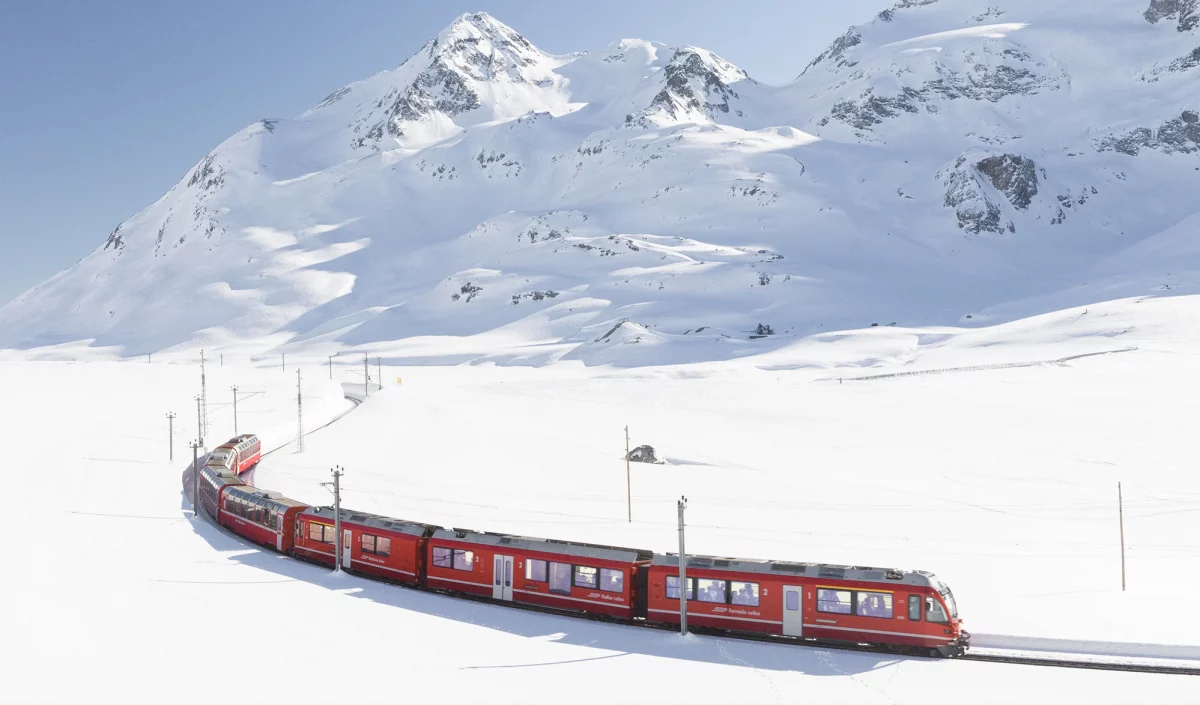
(698, 88)
(1012, 175)
(1185, 12)
(1181, 134)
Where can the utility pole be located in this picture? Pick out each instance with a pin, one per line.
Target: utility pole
(366, 376)
(222, 359)
(147, 358)
(171, 434)
(199, 423)
(235, 424)
(283, 361)
(337, 518)
(299, 413)
(331, 367)
(379, 373)
(683, 584)
(1121, 515)
(204, 397)
(628, 490)
(195, 477)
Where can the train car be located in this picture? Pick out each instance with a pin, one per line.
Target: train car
(214, 479)
(372, 545)
(564, 575)
(222, 459)
(248, 450)
(266, 518)
(904, 610)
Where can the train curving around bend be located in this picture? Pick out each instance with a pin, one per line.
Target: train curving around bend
(904, 611)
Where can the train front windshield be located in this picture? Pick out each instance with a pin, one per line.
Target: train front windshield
(949, 598)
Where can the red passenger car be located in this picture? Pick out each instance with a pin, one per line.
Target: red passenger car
(213, 479)
(909, 610)
(560, 574)
(391, 549)
(248, 451)
(266, 518)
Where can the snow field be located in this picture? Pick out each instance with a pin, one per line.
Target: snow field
(983, 478)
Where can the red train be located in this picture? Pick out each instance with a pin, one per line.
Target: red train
(908, 611)
(237, 455)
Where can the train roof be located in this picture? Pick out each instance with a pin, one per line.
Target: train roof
(890, 576)
(375, 521)
(567, 548)
(253, 495)
(221, 473)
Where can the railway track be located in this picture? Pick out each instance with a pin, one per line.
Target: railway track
(1014, 659)
(1090, 665)
(353, 399)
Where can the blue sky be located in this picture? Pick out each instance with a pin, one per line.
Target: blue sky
(105, 105)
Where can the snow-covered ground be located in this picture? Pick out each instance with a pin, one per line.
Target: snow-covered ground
(1002, 481)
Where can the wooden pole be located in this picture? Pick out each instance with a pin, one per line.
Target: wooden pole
(1121, 515)
(628, 488)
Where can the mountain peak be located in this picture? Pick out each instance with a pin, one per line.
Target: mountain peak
(478, 38)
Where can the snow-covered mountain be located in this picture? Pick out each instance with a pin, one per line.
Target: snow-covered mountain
(949, 161)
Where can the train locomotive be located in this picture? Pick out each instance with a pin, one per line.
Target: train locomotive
(903, 611)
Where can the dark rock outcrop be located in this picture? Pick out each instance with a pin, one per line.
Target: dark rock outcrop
(1012, 175)
(1187, 12)
(644, 454)
(1178, 135)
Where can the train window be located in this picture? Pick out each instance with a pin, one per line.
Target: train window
(383, 546)
(314, 531)
(560, 578)
(368, 543)
(875, 604)
(673, 587)
(612, 580)
(443, 558)
(792, 600)
(464, 560)
(710, 590)
(743, 593)
(835, 601)
(535, 570)
(585, 576)
(934, 611)
(914, 608)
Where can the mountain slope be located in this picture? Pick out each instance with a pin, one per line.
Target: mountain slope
(947, 162)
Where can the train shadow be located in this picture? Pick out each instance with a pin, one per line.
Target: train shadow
(618, 638)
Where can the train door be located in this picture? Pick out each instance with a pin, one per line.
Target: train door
(502, 578)
(346, 544)
(793, 622)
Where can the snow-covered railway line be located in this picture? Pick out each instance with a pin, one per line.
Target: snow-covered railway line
(1074, 661)
(356, 401)
(1015, 656)
(977, 368)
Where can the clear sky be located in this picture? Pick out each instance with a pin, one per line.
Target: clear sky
(105, 105)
